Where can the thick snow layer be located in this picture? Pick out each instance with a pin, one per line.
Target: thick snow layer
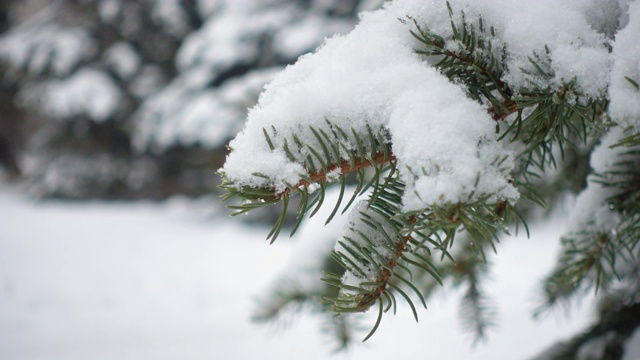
(143, 281)
(625, 97)
(444, 142)
(446, 148)
(524, 27)
(373, 78)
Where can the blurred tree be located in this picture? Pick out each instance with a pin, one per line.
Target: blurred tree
(10, 131)
(136, 99)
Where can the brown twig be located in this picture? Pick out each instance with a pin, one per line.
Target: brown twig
(345, 167)
(500, 113)
(385, 276)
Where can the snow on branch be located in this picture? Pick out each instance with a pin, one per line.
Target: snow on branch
(625, 75)
(373, 78)
(435, 98)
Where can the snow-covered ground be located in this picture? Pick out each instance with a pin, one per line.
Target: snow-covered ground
(163, 281)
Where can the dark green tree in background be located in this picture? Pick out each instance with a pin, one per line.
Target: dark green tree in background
(119, 99)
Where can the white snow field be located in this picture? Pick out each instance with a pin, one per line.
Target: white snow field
(165, 281)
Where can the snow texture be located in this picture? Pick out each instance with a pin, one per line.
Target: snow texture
(373, 78)
(604, 16)
(625, 97)
(576, 50)
(446, 148)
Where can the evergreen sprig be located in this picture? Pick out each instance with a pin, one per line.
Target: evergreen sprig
(541, 117)
(401, 246)
(328, 161)
(399, 243)
(590, 257)
(386, 250)
(377, 256)
(478, 63)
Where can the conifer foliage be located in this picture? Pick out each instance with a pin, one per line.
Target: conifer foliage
(443, 125)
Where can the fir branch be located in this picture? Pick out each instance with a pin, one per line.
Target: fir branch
(337, 158)
(401, 246)
(590, 256)
(475, 63)
(555, 117)
(346, 166)
(385, 275)
(375, 257)
(385, 245)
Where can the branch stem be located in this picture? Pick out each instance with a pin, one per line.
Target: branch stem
(345, 167)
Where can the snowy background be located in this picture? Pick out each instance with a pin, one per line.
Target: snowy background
(169, 281)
